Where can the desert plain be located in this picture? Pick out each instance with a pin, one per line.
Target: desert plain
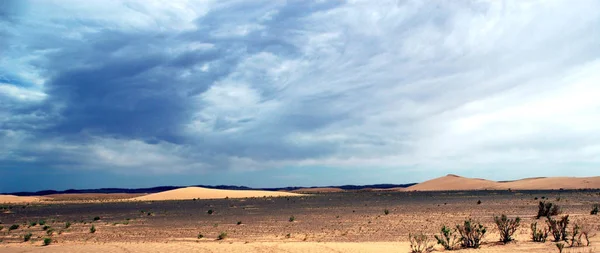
(311, 220)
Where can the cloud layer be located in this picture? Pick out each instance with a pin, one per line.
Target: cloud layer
(196, 87)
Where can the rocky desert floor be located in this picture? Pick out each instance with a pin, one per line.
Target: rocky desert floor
(320, 222)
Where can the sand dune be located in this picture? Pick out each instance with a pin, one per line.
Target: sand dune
(17, 199)
(205, 193)
(318, 189)
(457, 183)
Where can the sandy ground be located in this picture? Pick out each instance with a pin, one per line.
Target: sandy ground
(17, 199)
(318, 190)
(458, 183)
(205, 193)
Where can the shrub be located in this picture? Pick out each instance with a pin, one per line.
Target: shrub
(33, 223)
(292, 218)
(558, 228)
(595, 208)
(13, 227)
(471, 234)
(97, 218)
(479, 202)
(386, 212)
(50, 232)
(42, 222)
(27, 237)
(507, 227)
(222, 236)
(68, 224)
(45, 227)
(1, 227)
(560, 246)
(93, 229)
(47, 241)
(547, 209)
(210, 211)
(200, 236)
(420, 243)
(447, 238)
(538, 235)
(239, 222)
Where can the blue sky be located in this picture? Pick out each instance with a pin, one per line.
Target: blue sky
(276, 93)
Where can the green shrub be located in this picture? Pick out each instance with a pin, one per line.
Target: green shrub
(471, 234)
(558, 228)
(595, 208)
(13, 227)
(507, 227)
(27, 237)
(47, 241)
(97, 218)
(222, 236)
(447, 238)
(93, 229)
(50, 232)
(68, 224)
(33, 223)
(210, 211)
(1, 227)
(200, 236)
(42, 222)
(547, 209)
(292, 218)
(420, 243)
(45, 227)
(538, 235)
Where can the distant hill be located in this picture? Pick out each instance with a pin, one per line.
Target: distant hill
(220, 187)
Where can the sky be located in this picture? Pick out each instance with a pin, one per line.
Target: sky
(295, 93)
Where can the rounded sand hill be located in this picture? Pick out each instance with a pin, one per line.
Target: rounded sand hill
(458, 183)
(318, 190)
(17, 199)
(206, 193)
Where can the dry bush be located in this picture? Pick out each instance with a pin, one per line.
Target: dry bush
(538, 235)
(420, 243)
(558, 228)
(447, 238)
(547, 209)
(595, 209)
(471, 234)
(507, 227)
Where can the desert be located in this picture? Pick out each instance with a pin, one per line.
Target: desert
(209, 220)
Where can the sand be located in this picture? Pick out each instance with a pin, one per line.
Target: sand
(17, 199)
(205, 193)
(458, 183)
(318, 190)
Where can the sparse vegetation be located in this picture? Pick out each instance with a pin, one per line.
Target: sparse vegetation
(420, 243)
(239, 222)
(506, 227)
(595, 210)
(97, 218)
(42, 222)
(47, 241)
(27, 237)
(200, 236)
(222, 236)
(93, 229)
(33, 223)
(68, 224)
(50, 232)
(558, 228)
(447, 238)
(292, 218)
(471, 234)
(1, 227)
(560, 247)
(538, 235)
(547, 209)
(210, 211)
(479, 202)
(386, 212)
(13, 227)
(45, 227)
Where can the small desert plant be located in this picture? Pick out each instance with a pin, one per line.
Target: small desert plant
(538, 235)
(27, 237)
(200, 236)
(97, 218)
(45, 227)
(42, 222)
(93, 229)
(507, 227)
(420, 243)
(13, 227)
(471, 234)
(447, 238)
(222, 236)
(576, 236)
(558, 228)
(1, 227)
(239, 222)
(292, 218)
(33, 223)
(386, 212)
(560, 247)
(595, 208)
(50, 231)
(68, 224)
(547, 209)
(210, 211)
(479, 202)
(47, 241)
